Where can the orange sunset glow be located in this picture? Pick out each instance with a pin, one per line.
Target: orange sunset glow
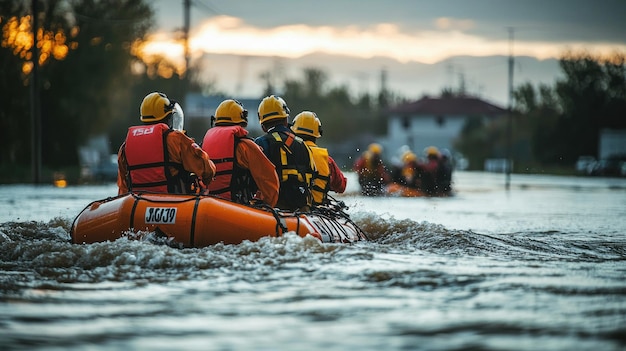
(17, 35)
(231, 35)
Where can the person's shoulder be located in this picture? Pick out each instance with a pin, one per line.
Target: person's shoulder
(257, 140)
(262, 142)
(181, 137)
(248, 143)
(177, 134)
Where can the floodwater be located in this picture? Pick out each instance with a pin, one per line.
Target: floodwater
(541, 266)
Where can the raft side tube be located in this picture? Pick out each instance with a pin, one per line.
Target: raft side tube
(201, 220)
(101, 220)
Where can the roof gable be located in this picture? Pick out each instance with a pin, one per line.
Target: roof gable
(463, 105)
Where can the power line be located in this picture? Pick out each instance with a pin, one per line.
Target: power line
(35, 108)
(104, 20)
(509, 128)
(207, 8)
(187, 25)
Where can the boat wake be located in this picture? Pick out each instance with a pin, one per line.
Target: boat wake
(406, 235)
(44, 249)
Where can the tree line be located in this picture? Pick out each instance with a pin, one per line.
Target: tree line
(91, 78)
(552, 125)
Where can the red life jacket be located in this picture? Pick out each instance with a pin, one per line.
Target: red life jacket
(148, 159)
(231, 181)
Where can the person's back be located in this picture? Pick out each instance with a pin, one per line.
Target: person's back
(410, 170)
(444, 173)
(328, 176)
(156, 157)
(371, 171)
(241, 167)
(430, 167)
(290, 156)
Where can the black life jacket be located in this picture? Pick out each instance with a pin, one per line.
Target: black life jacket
(294, 166)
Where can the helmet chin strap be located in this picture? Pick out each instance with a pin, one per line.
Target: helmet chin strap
(169, 120)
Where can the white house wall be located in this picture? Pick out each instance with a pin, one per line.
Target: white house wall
(612, 143)
(423, 131)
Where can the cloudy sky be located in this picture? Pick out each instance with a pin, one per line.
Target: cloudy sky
(403, 30)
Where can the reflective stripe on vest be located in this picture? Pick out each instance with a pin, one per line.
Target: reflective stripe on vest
(321, 179)
(294, 166)
(288, 158)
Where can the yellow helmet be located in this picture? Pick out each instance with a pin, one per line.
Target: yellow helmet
(272, 107)
(155, 107)
(375, 148)
(367, 155)
(431, 151)
(306, 122)
(230, 112)
(409, 157)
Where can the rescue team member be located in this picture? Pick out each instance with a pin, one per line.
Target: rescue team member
(291, 157)
(157, 157)
(410, 173)
(444, 173)
(429, 174)
(328, 176)
(241, 166)
(371, 171)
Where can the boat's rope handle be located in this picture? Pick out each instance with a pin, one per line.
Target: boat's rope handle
(335, 208)
(281, 225)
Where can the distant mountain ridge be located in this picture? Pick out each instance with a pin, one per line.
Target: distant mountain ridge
(485, 77)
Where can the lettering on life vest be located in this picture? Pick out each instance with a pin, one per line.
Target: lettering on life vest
(161, 215)
(143, 131)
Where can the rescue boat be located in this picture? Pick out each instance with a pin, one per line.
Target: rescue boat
(398, 190)
(203, 220)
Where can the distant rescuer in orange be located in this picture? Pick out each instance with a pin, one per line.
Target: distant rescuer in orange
(430, 169)
(328, 177)
(158, 156)
(371, 171)
(242, 167)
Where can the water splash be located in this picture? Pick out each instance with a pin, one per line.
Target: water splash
(44, 249)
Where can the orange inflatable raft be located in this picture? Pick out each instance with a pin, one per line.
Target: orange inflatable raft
(202, 220)
(399, 190)
(395, 189)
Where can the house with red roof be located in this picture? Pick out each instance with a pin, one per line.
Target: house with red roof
(434, 121)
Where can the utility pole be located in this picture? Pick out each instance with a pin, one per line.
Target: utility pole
(383, 95)
(509, 129)
(34, 101)
(186, 25)
(241, 74)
